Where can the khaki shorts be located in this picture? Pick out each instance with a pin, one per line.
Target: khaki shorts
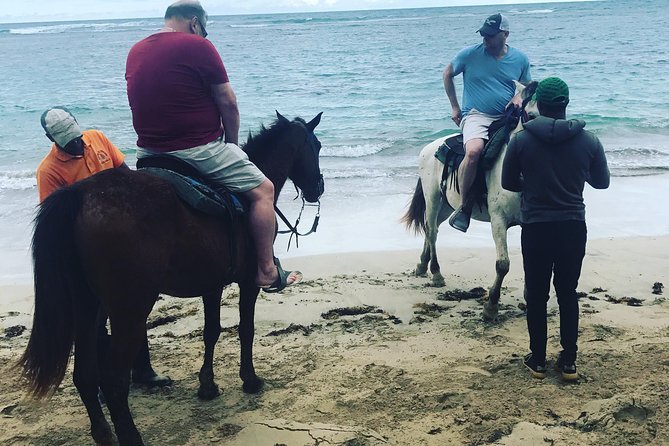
(219, 162)
(475, 125)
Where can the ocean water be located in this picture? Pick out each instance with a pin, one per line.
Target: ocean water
(376, 75)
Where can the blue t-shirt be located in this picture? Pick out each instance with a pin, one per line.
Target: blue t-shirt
(488, 81)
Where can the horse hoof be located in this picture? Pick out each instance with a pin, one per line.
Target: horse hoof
(490, 312)
(438, 280)
(254, 385)
(420, 271)
(208, 393)
(131, 439)
(103, 435)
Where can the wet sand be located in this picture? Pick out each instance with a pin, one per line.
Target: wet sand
(412, 365)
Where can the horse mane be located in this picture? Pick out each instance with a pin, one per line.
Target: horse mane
(256, 144)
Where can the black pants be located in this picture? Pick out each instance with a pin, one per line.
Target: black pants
(557, 249)
(142, 363)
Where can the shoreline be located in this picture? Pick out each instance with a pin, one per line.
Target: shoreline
(631, 207)
(629, 265)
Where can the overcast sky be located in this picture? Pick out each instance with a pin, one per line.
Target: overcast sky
(48, 10)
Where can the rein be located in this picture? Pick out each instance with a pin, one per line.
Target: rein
(292, 229)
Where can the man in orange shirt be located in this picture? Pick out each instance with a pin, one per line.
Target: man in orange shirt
(74, 156)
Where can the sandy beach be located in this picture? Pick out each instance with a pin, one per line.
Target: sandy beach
(365, 353)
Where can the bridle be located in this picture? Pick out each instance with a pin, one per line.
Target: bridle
(525, 117)
(292, 228)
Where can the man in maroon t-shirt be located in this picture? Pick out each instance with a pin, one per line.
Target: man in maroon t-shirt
(182, 104)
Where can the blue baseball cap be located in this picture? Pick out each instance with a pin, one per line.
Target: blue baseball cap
(493, 25)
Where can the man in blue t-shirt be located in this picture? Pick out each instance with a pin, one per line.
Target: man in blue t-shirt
(488, 71)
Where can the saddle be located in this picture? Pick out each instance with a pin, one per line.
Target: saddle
(192, 188)
(452, 152)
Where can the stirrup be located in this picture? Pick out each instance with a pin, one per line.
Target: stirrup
(460, 219)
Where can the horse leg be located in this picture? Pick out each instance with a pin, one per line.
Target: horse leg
(435, 216)
(128, 334)
(212, 330)
(421, 268)
(85, 375)
(499, 230)
(248, 293)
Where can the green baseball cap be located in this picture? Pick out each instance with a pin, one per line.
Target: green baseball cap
(552, 90)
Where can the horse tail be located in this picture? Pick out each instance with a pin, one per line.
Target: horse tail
(414, 219)
(58, 280)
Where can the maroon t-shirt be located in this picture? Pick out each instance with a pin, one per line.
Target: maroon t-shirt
(169, 77)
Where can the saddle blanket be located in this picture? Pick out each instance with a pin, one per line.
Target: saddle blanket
(191, 188)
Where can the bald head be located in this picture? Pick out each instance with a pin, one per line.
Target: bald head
(187, 16)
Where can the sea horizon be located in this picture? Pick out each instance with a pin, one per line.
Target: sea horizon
(128, 17)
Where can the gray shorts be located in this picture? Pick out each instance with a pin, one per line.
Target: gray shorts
(219, 162)
(475, 125)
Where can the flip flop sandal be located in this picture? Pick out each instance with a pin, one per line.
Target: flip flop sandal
(281, 281)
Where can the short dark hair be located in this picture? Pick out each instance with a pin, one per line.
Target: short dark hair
(186, 11)
(552, 110)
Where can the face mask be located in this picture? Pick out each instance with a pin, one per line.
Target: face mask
(74, 147)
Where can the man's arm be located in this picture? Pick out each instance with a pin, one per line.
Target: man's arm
(47, 183)
(600, 178)
(449, 86)
(511, 178)
(227, 106)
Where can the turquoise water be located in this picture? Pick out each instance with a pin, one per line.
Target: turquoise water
(376, 75)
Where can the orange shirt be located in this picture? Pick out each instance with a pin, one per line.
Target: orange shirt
(59, 168)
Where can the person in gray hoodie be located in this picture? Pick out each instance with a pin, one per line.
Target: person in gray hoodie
(549, 162)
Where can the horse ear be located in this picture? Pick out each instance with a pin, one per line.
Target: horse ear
(530, 89)
(311, 125)
(519, 87)
(280, 117)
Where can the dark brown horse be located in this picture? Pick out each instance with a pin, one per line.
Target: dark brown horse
(111, 243)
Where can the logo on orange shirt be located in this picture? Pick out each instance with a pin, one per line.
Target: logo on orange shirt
(103, 157)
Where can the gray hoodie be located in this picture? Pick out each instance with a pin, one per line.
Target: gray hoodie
(550, 161)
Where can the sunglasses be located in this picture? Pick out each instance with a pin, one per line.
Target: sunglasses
(202, 28)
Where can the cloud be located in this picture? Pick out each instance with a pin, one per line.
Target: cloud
(309, 3)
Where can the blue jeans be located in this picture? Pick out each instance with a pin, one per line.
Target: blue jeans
(557, 249)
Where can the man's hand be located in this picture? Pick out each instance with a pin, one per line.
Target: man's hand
(456, 115)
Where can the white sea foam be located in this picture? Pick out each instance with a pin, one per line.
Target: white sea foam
(531, 11)
(367, 173)
(17, 180)
(356, 173)
(59, 28)
(354, 151)
(250, 25)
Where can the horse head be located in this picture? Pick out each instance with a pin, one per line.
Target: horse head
(526, 93)
(289, 149)
(306, 172)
